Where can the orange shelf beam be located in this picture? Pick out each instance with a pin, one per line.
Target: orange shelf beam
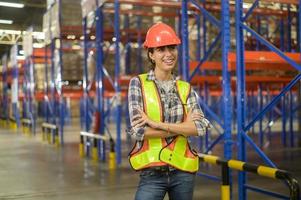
(208, 6)
(295, 2)
(254, 60)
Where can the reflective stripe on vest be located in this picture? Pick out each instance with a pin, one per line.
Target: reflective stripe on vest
(154, 151)
(148, 154)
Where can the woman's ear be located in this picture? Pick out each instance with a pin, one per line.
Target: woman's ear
(150, 54)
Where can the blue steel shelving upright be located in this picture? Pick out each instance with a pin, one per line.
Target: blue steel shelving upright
(15, 85)
(29, 81)
(4, 100)
(242, 125)
(116, 80)
(100, 75)
(55, 104)
(87, 112)
(224, 36)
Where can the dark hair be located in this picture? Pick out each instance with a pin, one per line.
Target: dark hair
(151, 50)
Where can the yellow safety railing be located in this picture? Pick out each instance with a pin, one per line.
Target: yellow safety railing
(3, 122)
(85, 141)
(247, 167)
(13, 123)
(26, 126)
(50, 133)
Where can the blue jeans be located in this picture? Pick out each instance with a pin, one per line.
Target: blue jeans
(154, 185)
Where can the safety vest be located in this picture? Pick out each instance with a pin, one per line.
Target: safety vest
(156, 151)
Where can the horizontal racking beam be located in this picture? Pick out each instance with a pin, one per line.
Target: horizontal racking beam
(143, 13)
(216, 80)
(295, 2)
(265, 60)
(254, 60)
(215, 7)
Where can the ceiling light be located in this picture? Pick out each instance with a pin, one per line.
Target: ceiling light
(5, 21)
(20, 57)
(247, 5)
(76, 47)
(14, 5)
(37, 45)
(71, 37)
(10, 31)
(38, 35)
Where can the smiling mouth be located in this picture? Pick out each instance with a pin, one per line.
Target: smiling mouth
(169, 62)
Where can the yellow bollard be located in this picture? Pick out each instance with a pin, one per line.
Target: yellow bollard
(28, 131)
(112, 155)
(225, 190)
(43, 135)
(49, 137)
(81, 150)
(94, 154)
(57, 141)
(94, 150)
(14, 126)
(112, 160)
(81, 147)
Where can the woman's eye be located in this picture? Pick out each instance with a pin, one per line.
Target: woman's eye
(172, 48)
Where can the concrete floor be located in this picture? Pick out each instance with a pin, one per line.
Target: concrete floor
(32, 169)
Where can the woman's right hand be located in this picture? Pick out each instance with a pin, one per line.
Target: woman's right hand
(142, 120)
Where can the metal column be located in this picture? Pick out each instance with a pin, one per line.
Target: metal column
(240, 95)
(99, 78)
(116, 80)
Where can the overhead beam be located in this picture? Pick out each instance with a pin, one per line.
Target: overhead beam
(295, 2)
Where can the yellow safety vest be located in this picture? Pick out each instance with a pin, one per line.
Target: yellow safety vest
(156, 151)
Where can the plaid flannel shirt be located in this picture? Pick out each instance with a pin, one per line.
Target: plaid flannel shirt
(173, 110)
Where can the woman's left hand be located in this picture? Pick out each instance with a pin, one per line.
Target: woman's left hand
(192, 116)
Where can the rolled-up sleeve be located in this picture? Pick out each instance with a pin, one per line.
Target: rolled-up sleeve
(135, 103)
(202, 124)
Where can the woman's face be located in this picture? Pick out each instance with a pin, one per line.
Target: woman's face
(165, 57)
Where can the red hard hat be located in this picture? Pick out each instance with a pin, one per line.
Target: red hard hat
(159, 35)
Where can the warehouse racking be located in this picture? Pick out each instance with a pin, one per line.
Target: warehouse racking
(229, 86)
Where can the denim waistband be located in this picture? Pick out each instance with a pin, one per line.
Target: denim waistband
(165, 168)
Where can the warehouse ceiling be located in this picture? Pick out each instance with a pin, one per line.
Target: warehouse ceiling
(30, 15)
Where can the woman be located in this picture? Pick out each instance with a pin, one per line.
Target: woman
(163, 113)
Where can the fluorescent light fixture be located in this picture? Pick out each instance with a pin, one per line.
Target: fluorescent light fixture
(38, 35)
(6, 31)
(13, 5)
(75, 47)
(246, 5)
(71, 37)
(20, 57)
(38, 45)
(5, 21)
